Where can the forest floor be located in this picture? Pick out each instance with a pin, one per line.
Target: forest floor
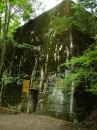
(24, 121)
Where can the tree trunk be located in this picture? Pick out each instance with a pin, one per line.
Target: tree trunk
(4, 41)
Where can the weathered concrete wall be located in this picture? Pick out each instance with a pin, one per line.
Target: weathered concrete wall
(40, 61)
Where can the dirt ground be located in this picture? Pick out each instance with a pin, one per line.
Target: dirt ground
(24, 121)
(30, 122)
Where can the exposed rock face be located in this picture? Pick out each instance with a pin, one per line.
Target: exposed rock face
(45, 50)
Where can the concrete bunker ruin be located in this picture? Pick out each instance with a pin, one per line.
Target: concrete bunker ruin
(42, 51)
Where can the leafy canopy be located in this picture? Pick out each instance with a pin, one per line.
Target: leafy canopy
(12, 13)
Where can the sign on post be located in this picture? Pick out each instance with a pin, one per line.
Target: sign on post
(26, 84)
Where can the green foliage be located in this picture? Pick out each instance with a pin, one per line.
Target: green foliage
(84, 69)
(1, 5)
(24, 45)
(11, 79)
(90, 4)
(8, 80)
(12, 13)
(83, 19)
(25, 7)
(14, 24)
(80, 18)
(62, 24)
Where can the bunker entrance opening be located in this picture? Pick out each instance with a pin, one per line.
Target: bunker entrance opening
(32, 100)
